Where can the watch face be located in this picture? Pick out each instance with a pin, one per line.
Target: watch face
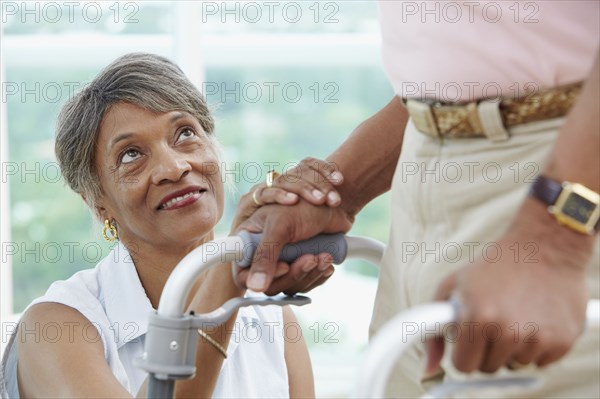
(578, 208)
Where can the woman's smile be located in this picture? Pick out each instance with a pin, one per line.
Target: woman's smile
(181, 198)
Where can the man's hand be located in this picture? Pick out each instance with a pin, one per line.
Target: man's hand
(528, 306)
(282, 225)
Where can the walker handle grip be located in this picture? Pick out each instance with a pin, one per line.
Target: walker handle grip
(334, 244)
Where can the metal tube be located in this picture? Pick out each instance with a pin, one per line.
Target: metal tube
(405, 330)
(160, 388)
(391, 342)
(365, 248)
(179, 284)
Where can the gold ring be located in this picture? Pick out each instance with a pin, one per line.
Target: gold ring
(271, 176)
(256, 200)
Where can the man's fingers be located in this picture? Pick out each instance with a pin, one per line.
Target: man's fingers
(326, 178)
(470, 348)
(327, 171)
(500, 348)
(528, 354)
(306, 189)
(444, 290)
(557, 351)
(314, 180)
(275, 195)
(435, 353)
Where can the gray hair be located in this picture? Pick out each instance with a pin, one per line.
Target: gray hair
(150, 81)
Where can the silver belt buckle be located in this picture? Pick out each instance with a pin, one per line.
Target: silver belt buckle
(422, 117)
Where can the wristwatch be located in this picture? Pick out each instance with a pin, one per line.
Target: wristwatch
(572, 204)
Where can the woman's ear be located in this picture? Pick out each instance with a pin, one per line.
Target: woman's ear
(97, 208)
(101, 213)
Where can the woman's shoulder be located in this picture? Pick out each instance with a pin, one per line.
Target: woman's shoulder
(44, 319)
(84, 290)
(72, 307)
(92, 313)
(55, 342)
(46, 331)
(76, 301)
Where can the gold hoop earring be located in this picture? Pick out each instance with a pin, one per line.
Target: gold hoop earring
(110, 227)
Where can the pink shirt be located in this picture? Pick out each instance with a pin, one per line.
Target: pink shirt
(462, 50)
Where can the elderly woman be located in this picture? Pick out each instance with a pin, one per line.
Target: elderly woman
(138, 145)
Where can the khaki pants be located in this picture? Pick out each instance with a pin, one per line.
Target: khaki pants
(450, 200)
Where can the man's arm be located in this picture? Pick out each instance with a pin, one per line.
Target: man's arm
(367, 160)
(550, 294)
(575, 156)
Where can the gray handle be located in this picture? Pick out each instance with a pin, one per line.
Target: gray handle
(334, 244)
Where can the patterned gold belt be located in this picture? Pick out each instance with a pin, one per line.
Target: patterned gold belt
(490, 118)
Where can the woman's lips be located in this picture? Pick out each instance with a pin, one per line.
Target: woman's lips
(182, 200)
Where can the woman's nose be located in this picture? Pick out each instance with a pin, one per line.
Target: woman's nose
(169, 166)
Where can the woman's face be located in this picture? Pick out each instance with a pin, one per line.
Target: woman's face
(159, 175)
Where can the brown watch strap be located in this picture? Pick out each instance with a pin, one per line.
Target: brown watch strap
(547, 191)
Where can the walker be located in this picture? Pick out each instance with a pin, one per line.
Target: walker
(171, 340)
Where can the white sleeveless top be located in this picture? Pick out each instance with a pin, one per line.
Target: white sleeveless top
(111, 296)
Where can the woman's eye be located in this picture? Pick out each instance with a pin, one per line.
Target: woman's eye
(185, 134)
(130, 156)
